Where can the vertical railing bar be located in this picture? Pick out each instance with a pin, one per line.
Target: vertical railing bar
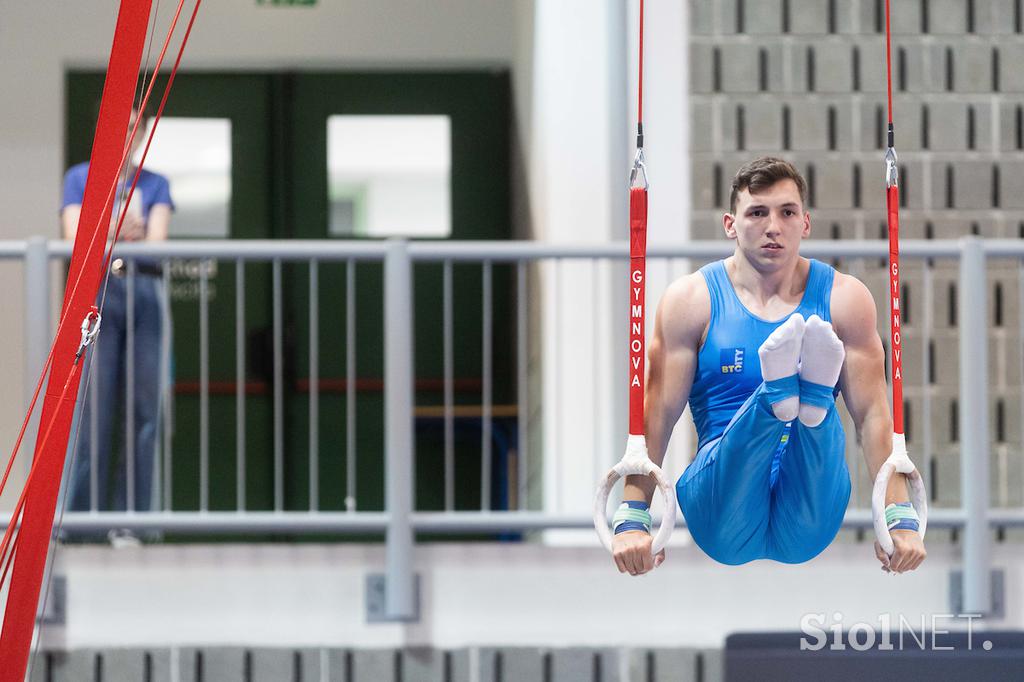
(857, 268)
(597, 462)
(974, 427)
(486, 403)
(314, 386)
(664, 265)
(522, 358)
(1003, 476)
(449, 388)
(927, 327)
(129, 387)
(37, 328)
(240, 444)
(94, 438)
(558, 368)
(168, 389)
(350, 385)
(155, 483)
(278, 390)
(399, 443)
(204, 388)
(651, 304)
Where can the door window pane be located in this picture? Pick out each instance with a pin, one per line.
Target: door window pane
(194, 154)
(389, 176)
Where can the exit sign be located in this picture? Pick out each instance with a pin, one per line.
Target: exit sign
(287, 3)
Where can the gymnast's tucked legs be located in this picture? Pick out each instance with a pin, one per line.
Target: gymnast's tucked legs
(773, 487)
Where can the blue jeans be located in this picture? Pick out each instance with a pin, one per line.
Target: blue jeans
(743, 499)
(105, 405)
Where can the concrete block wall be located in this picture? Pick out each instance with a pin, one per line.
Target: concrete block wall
(488, 664)
(805, 79)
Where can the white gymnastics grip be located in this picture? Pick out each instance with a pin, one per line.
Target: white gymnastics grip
(898, 462)
(635, 461)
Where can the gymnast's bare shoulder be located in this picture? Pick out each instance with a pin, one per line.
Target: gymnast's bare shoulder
(679, 328)
(853, 312)
(684, 313)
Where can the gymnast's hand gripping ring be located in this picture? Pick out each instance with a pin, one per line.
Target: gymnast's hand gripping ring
(635, 461)
(898, 462)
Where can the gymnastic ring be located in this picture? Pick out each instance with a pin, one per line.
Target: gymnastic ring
(635, 461)
(898, 462)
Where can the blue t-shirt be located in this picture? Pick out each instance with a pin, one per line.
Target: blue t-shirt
(152, 189)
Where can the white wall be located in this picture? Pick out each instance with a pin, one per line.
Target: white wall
(576, 152)
(486, 594)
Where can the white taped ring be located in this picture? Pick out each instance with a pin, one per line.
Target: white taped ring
(635, 462)
(898, 462)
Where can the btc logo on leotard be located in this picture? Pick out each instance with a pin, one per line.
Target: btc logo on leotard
(731, 360)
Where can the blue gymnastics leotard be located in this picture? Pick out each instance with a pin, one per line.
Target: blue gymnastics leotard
(759, 488)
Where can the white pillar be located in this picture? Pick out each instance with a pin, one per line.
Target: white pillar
(667, 149)
(583, 123)
(573, 146)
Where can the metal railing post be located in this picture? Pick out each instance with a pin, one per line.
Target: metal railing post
(37, 327)
(398, 439)
(974, 427)
(37, 306)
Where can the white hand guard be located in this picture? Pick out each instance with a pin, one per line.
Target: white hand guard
(898, 462)
(635, 461)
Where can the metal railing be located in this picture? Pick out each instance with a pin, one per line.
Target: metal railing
(400, 520)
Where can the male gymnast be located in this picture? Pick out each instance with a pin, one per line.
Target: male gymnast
(769, 480)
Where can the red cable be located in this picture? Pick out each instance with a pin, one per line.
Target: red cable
(888, 58)
(892, 205)
(637, 304)
(892, 210)
(640, 86)
(9, 560)
(638, 266)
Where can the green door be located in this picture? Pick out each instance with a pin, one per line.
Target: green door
(477, 108)
(279, 190)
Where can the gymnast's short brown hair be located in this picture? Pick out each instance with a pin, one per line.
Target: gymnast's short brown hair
(761, 174)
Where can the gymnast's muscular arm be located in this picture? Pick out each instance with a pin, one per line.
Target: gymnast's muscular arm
(680, 324)
(862, 382)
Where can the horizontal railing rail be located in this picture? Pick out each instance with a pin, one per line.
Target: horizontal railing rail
(475, 251)
(455, 523)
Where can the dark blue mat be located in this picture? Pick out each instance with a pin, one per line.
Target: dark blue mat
(777, 657)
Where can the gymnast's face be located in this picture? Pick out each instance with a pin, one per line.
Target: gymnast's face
(769, 225)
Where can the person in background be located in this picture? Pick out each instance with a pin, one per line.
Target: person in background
(106, 404)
